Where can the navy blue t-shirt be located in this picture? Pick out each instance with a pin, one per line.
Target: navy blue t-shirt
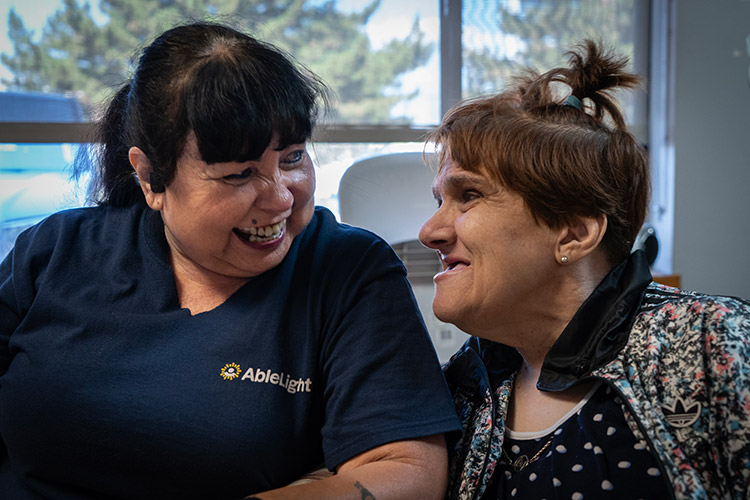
(109, 389)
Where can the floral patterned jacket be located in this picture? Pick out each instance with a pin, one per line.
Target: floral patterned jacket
(679, 360)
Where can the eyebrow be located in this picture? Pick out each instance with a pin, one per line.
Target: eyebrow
(456, 181)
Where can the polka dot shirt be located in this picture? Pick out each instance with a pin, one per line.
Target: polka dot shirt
(590, 453)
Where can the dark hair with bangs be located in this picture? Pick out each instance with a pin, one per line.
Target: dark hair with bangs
(232, 91)
(564, 161)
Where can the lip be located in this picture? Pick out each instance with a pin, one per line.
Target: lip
(451, 266)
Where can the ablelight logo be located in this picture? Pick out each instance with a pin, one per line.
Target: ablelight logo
(230, 371)
(286, 381)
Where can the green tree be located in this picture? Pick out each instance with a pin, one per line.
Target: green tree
(74, 54)
(546, 28)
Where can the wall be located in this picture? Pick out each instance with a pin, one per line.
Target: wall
(712, 145)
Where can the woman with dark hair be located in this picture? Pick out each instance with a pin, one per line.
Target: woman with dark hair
(205, 331)
(583, 378)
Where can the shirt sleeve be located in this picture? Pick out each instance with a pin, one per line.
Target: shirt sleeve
(383, 378)
(19, 272)
(10, 314)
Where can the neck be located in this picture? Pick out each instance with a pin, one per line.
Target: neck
(200, 297)
(199, 290)
(534, 334)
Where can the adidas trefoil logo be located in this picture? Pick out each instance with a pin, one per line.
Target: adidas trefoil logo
(682, 413)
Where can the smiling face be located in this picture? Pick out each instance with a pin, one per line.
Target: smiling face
(235, 220)
(497, 260)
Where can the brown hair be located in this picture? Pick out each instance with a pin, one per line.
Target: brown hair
(564, 161)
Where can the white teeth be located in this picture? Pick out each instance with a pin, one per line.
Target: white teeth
(265, 233)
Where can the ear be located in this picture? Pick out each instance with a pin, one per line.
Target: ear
(577, 240)
(142, 167)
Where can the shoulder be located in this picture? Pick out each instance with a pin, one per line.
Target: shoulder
(79, 228)
(85, 217)
(682, 327)
(48, 233)
(688, 309)
(325, 227)
(327, 238)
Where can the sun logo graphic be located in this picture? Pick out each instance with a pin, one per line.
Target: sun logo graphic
(230, 371)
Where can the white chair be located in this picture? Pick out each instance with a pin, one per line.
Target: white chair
(389, 194)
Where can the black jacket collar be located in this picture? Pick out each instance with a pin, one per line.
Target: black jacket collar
(600, 327)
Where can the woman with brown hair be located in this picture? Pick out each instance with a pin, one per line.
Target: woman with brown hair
(583, 378)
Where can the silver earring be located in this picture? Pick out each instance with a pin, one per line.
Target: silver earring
(564, 259)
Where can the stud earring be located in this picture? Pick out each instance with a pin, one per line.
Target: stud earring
(564, 259)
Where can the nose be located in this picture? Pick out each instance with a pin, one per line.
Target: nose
(276, 196)
(437, 233)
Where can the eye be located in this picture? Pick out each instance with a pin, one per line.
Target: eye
(293, 159)
(470, 195)
(240, 176)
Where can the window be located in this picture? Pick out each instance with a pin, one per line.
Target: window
(500, 38)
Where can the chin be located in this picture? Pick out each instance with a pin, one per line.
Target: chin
(447, 314)
(461, 316)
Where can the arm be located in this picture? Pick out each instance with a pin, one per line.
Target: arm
(409, 469)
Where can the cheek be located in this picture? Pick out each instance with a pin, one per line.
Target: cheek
(302, 185)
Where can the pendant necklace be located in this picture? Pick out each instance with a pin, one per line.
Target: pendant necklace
(522, 461)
